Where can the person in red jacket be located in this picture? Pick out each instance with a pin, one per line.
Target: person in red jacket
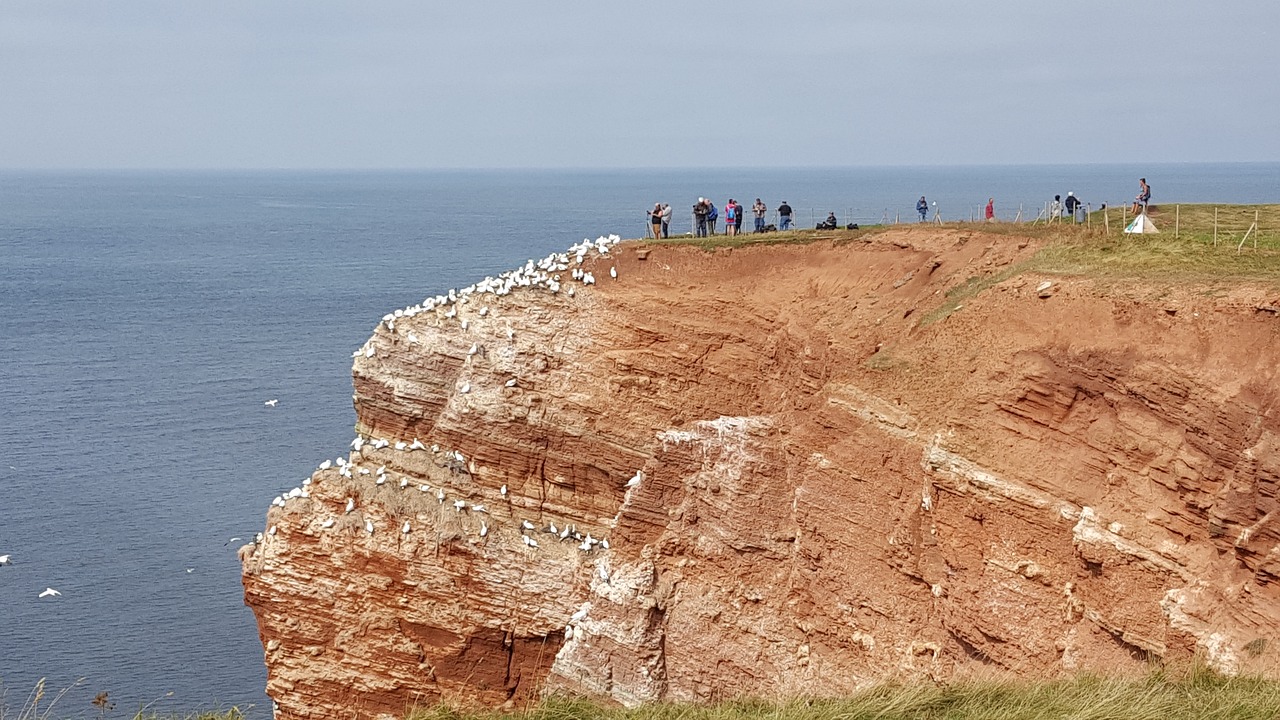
(991, 209)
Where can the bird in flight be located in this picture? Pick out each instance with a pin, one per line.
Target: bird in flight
(271, 403)
(49, 592)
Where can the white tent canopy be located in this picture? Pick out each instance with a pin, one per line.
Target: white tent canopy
(1140, 225)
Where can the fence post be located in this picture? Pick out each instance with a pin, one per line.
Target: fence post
(1177, 215)
(1215, 226)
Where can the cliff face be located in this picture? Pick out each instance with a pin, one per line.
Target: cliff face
(803, 478)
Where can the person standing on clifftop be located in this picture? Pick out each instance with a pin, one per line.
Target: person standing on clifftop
(712, 216)
(655, 219)
(991, 209)
(700, 217)
(1071, 203)
(759, 210)
(730, 217)
(784, 216)
(922, 207)
(666, 220)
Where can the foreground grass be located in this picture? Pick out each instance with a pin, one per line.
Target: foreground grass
(44, 703)
(1197, 696)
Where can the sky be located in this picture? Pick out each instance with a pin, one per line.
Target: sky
(264, 84)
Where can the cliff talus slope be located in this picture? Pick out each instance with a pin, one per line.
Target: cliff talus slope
(832, 483)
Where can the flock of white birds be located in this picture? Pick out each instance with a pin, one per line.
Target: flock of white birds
(548, 274)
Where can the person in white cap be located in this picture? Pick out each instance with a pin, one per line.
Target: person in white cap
(700, 211)
(1071, 203)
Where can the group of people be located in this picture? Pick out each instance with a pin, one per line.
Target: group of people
(706, 215)
(1071, 205)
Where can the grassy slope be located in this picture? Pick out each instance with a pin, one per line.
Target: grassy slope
(1090, 250)
(1199, 695)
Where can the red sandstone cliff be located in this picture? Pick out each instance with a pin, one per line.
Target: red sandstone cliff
(834, 493)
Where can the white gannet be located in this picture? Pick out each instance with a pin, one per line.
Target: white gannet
(401, 445)
(527, 525)
(381, 479)
(405, 528)
(553, 529)
(474, 348)
(328, 523)
(368, 351)
(511, 382)
(351, 504)
(404, 482)
(417, 445)
(503, 490)
(368, 525)
(479, 508)
(580, 615)
(605, 543)
(326, 464)
(271, 403)
(440, 495)
(635, 479)
(49, 592)
(484, 529)
(272, 531)
(613, 272)
(466, 388)
(458, 505)
(357, 443)
(5, 560)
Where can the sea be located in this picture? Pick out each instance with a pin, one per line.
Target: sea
(147, 316)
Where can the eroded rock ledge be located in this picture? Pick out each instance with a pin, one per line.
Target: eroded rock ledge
(831, 492)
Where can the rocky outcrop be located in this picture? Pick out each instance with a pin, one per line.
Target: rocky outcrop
(784, 470)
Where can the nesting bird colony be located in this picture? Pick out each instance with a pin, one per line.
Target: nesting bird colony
(559, 273)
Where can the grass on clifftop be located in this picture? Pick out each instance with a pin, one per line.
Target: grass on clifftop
(1200, 695)
(1090, 249)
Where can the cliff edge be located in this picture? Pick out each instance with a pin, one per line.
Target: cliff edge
(782, 470)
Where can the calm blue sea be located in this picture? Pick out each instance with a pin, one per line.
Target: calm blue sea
(146, 317)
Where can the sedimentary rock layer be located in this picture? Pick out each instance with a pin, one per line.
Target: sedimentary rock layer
(804, 470)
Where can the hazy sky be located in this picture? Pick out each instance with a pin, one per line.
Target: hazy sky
(505, 83)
